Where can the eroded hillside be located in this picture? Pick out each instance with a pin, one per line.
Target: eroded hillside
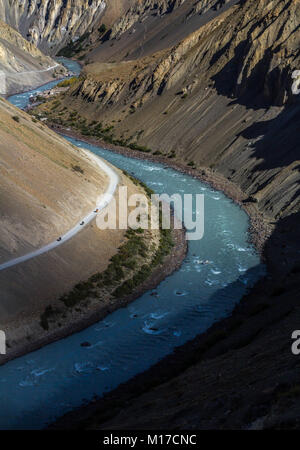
(55, 25)
(147, 27)
(49, 24)
(221, 98)
(22, 65)
(47, 185)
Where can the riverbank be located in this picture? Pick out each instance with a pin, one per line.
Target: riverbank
(260, 227)
(81, 319)
(38, 84)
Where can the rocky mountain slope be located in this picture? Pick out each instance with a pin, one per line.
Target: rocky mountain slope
(49, 24)
(47, 186)
(43, 190)
(141, 11)
(221, 98)
(22, 65)
(147, 27)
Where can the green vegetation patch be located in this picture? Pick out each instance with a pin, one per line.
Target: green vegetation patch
(93, 129)
(72, 48)
(68, 82)
(102, 29)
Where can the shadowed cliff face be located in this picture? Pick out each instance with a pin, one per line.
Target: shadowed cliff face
(249, 48)
(221, 98)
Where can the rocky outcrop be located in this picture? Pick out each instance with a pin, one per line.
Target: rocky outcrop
(142, 9)
(131, 29)
(202, 6)
(221, 98)
(259, 49)
(22, 65)
(51, 24)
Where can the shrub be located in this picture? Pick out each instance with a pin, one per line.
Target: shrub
(16, 118)
(77, 168)
(102, 29)
(250, 199)
(79, 293)
(130, 264)
(49, 311)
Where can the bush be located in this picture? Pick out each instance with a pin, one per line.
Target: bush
(102, 29)
(49, 311)
(80, 292)
(250, 199)
(130, 264)
(73, 47)
(77, 168)
(16, 118)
